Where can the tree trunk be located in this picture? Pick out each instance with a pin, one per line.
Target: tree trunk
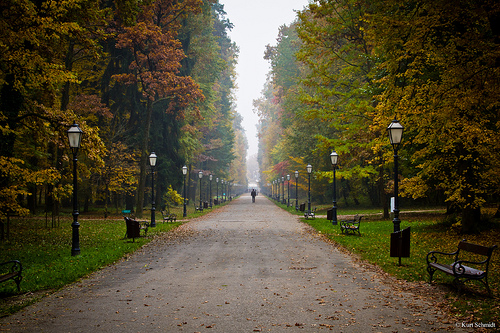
(470, 220)
(144, 158)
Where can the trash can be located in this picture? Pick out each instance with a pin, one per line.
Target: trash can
(400, 243)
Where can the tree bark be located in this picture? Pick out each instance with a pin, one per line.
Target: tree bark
(470, 220)
(143, 162)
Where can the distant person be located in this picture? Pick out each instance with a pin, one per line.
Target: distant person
(253, 193)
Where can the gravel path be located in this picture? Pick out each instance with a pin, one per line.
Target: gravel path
(242, 268)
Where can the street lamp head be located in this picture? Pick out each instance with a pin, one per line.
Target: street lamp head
(152, 159)
(296, 174)
(334, 157)
(200, 174)
(184, 170)
(288, 177)
(395, 131)
(282, 179)
(210, 177)
(74, 136)
(217, 179)
(309, 168)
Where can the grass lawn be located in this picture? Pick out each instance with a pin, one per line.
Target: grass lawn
(45, 251)
(427, 233)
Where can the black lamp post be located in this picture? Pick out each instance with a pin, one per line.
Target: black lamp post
(223, 198)
(334, 158)
(210, 195)
(152, 163)
(184, 172)
(279, 188)
(296, 190)
(278, 182)
(217, 185)
(200, 175)
(309, 170)
(276, 190)
(282, 189)
(288, 202)
(395, 131)
(75, 137)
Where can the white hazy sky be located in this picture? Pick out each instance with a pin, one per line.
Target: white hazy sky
(256, 24)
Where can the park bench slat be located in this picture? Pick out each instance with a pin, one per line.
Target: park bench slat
(457, 267)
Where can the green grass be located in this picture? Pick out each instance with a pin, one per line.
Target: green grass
(45, 250)
(427, 233)
(45, 253)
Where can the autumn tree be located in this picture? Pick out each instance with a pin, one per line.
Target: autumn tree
(157, 55)
(36, 39)
(440, 77)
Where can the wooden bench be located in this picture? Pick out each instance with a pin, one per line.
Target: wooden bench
(168, 217)
(458, 269)
(14, 273)
(351, 226)
(312, 214)
(134, 228)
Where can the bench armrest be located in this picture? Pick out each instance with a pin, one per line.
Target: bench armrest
(431, 256)
(16, 265)
(460, 269)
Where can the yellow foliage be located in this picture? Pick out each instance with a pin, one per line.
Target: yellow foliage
(414, 187)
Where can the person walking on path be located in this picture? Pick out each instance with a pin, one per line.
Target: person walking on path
(254, 193)
(235, 269)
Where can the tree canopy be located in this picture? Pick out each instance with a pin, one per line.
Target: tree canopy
(345, 69)
(137, 76)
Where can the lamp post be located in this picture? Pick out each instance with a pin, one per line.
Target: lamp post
(210, 195)
(288, 178)
(184, 172)
(395, 131)
(334, 157)
(296, 190)
(272, 190)
(309, 170)
(277, 182)
(217, 185)
(75, 137)
(200, 175)
(282, 189)
(279, 188)
(152, 163)
(222, 189)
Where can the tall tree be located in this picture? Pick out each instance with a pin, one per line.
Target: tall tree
(157, 55)
(441, 78)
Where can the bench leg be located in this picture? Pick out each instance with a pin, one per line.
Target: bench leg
(431, 271)
(18, 282)
(487, 286)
